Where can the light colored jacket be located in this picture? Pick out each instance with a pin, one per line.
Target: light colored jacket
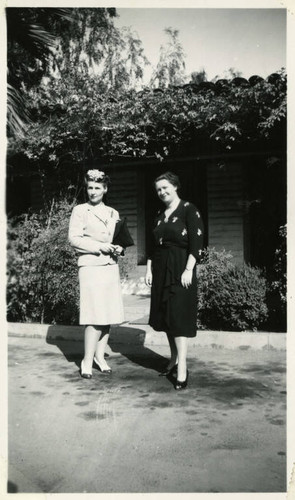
(89, 226)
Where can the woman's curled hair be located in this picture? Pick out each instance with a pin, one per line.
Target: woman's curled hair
(170, 177)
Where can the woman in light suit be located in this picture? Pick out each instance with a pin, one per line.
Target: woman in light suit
(91, 232)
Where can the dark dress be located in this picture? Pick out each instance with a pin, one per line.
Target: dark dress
(174, 307)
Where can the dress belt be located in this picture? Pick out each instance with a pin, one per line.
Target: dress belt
(167, 244)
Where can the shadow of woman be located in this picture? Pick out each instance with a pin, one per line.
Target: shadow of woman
(72, 347)
(129, 342)
(124, 340)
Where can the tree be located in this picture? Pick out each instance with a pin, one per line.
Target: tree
(41, 41)
(28, 48)
(124, 60)
(135, 58)
(230, 73)
(44, 39)
(171, 65)
(65, 44)
(82, 44)
(199, 76)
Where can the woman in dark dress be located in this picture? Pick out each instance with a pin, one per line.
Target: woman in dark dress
(171, 272)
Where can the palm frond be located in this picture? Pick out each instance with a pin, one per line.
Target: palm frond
(41, 38)
(17, 116)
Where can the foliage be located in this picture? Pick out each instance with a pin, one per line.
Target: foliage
(16, 112)
(39, 38)
(277, 288)
(42, 271)
(77, 119)
(280, 266)
(42, 283)
(127, 264)
(231, 297)
(171, 65)
(199, 76)
(63, 43)
(229, 74)
(124, 60)
(29, 45)
(81, 44)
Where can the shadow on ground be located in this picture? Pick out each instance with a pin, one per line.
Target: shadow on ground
(129, 342)
(221, 382)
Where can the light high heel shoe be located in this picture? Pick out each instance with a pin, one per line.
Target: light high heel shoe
(82, 373)
(107, 371)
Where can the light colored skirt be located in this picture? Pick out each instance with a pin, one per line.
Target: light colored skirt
(100, 295)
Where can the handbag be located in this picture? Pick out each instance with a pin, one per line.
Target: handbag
(122, 236)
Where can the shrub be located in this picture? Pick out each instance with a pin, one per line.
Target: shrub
(277, 288)
(42, 283)
(42, 268)
(127, 264)
(230, 297)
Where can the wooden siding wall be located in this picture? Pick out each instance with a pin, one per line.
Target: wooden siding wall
(123, 195)
(226, 222)
(225, 212)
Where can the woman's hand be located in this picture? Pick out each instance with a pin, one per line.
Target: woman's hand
(186, 278)
(149, 278)
(106, 248)
(117, 250)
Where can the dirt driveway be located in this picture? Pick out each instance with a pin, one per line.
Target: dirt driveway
(132, 432)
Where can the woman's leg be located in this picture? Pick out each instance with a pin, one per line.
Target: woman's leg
(101, 347)
(91, 337)
(173, 350)
(181, 346)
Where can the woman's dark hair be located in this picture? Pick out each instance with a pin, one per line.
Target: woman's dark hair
(170, 177)
(96, 175)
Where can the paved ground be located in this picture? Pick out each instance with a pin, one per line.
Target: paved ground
(132, 432)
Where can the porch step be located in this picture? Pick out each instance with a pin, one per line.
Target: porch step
(133, 335)
(136, 308)
(135, 283)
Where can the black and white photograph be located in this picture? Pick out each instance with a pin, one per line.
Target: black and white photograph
(145, 186)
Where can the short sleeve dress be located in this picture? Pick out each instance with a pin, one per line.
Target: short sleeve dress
(173, 307)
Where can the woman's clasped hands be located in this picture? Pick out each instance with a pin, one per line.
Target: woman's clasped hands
(109, 248)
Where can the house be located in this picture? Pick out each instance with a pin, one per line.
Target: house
(242, 200)
(241, 193)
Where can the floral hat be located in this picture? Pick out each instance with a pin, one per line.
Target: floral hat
(95, 175)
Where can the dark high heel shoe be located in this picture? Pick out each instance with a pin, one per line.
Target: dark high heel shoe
(107, 371)
(168, 371)
(181, 385)
(82, 373)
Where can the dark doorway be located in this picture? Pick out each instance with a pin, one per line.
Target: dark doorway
(267, 192)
